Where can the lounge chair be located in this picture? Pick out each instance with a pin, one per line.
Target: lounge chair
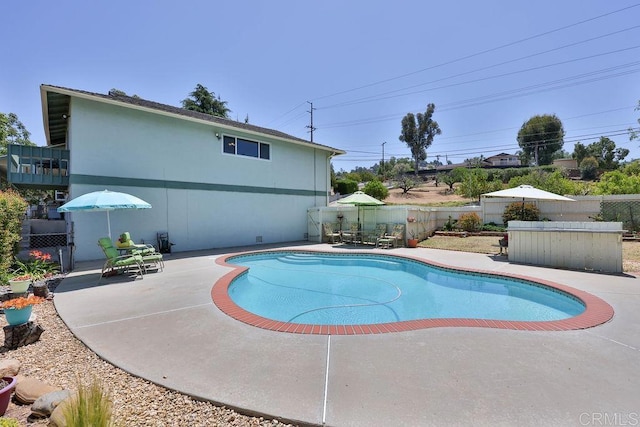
(149, 253)
(329, 233)
(116, 263)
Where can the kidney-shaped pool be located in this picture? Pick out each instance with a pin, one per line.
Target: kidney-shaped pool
(295, 291)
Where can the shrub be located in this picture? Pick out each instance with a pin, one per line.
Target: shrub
(469, 221)
(450, 224)
(492, 226)
(521, 212)
(9, 422)
(12, 211)
(589, 168)
(376, 189)
(346, 186)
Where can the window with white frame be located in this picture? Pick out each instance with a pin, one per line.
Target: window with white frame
(245, 147)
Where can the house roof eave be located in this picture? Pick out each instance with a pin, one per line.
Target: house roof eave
(171, 111)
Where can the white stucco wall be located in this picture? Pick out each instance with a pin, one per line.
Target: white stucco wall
(202, 197)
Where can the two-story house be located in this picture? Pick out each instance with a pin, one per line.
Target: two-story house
(212, 182)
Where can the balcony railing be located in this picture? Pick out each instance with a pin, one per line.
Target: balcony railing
(37, 166)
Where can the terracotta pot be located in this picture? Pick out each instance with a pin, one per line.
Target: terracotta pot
(5, 394)
(412, 243)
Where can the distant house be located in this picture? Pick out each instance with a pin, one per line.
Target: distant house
(212, 182)
(503, 160)
(566, 163)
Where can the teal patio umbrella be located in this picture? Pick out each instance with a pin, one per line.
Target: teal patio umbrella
(360, 199)
(104, 201)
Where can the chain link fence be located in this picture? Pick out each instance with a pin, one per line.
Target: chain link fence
(625, 211)
(48, 240)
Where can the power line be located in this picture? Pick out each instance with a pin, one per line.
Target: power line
(479, 53)
(381, 97)
(501, 96)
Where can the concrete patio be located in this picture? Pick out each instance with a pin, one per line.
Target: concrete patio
(166, 329)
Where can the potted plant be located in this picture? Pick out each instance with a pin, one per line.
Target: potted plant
(7, 385)
(20, 284)
(412, 242)
(18, 310)
(38, 268)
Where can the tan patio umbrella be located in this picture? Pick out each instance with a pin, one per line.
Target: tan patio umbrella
(528, 192)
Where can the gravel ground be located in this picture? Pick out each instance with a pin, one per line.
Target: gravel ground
(59, 359)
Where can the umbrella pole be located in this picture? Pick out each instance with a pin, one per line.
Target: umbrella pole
(108, 225)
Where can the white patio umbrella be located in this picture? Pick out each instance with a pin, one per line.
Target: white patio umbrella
(104, 201)
(528, 192)
(358, 199)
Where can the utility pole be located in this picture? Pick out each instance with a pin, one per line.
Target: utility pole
(311, 128)
(382, 165)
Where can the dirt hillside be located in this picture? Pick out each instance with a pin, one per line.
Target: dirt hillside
(426, 193)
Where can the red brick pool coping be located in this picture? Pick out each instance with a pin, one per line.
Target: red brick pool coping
(597, 311)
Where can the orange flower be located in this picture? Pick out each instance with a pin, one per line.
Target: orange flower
(22, 302)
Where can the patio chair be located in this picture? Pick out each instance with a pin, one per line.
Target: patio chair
(116, 263)
(397, 235)
(352, 235)
(329, 233)
(373, 236)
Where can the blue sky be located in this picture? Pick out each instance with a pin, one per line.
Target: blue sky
(487, 66)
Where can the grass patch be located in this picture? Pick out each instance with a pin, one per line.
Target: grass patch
(477, 244)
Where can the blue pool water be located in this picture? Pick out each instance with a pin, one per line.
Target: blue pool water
(339, 289)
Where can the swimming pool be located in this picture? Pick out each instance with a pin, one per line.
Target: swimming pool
(300, 289)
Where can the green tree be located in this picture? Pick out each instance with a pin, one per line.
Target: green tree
(589, 168)
(206, 102)
(117, 92)
(453, 177)
(604, 151)
(554, 182)
(418, 133)
(540, 137)
(617, 182)
(405, 183)
(376, 189)
(608, 156)
(476, 182)
(12, 131)
(580, 151)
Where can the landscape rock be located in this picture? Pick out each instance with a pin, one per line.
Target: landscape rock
(30, 389)
(45, 404)
(57, 416)
(20, 335)
(9, 367)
